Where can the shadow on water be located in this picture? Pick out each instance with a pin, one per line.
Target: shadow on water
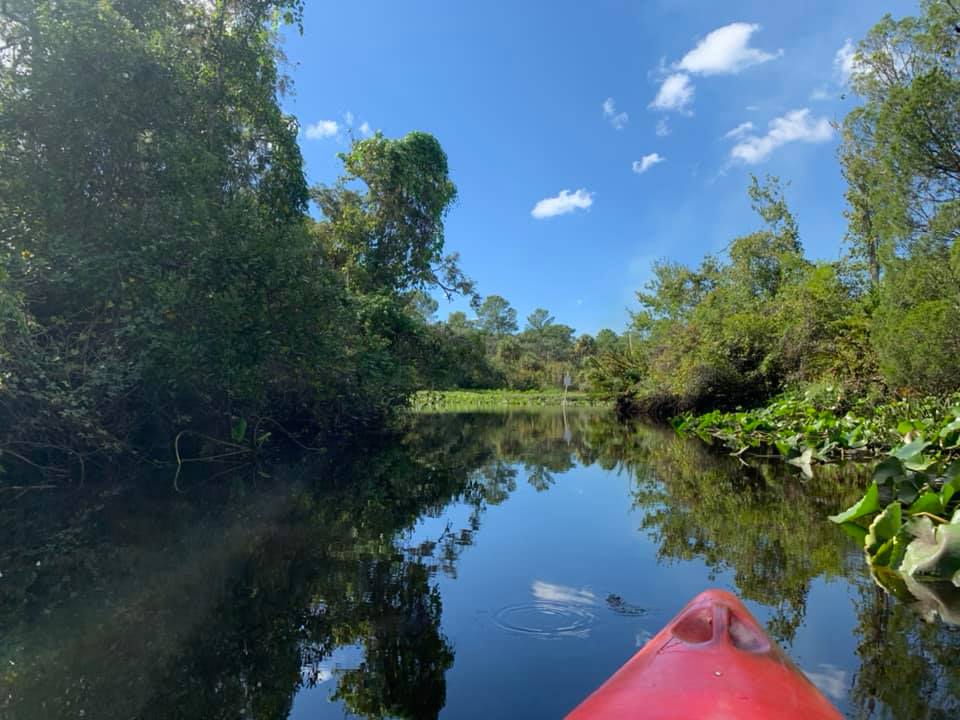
(127, 599)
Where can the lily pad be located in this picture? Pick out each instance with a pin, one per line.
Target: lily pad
(867, 505)
(929, 502)
(885, 543)
(910, 450)
(934, 552)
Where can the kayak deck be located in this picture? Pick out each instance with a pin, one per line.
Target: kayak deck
(713, 661)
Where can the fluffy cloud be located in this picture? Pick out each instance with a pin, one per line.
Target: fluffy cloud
(740, 130)
(565, 202)
(618, 120)
(551, 592)
(676, 93)
(322, 129)
(725, 51)
(795, 126)
(845, 62)
(365, 129)
(663, 127)
(647, 162)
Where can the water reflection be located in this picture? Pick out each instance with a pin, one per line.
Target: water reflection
(127, 599)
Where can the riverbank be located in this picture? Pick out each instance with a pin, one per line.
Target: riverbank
(455, 400)
(821, 426)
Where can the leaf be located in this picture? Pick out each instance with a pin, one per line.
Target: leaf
(934, 552)
(867, 505)
(919, 462)
(238, 430)
(889, 468)
(930, 502)
(951, 484)
(950, 429)
(803, 462)
(934, 599)
(879, 540)
(910, 450)
(857, 532)
(904, 426)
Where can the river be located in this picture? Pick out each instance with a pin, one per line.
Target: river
(474, 565)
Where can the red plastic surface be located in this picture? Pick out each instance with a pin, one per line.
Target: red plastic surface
(713, 661)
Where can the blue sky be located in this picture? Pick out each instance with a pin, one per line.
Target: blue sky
(517, 93)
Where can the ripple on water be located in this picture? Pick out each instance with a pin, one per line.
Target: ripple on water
(545, 620)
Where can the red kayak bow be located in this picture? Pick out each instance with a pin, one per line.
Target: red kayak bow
(713, 661)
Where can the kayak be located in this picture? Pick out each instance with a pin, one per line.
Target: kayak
(713, 661)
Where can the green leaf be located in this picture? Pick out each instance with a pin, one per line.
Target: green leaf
(950, 428)
(904, 426)
(910, 450)
(950, 485)
(891, 468)
(238, 430)
(867, 505)
(919, 462)
(857, 532)
(884, 528)
(934, 552)
(930, 501)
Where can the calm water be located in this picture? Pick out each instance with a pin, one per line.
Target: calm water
(478, 566)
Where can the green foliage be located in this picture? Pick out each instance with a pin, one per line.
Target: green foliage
(760, 318)
(821, 426)
(488, 351)
(738, 331)
(158, 268)
(459, 400)
(496, 317)
(912, 514)
(900, 154)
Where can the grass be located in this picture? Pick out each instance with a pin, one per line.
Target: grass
(435, 400)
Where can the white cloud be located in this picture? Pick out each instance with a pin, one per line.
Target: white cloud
(348, 118)
(676, 93)
(740, 130)
(725, 51)
(365, 129)
(565, 202)
(322, 129)
(795, 126)
(663, 127)
(820, 94)
(647, 162)
(752, 108)
(565, 594)
(830, 680)
(618, 120)
(845, 62)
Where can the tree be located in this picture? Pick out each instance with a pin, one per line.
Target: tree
(539, 320)
(901, 158)
(496, 317)
(459, 323)
(390, 236)
(424, 306)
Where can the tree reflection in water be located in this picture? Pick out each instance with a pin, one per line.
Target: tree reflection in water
(127, 599)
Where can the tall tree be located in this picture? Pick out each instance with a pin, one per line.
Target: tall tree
(496, 317)
(539, 320)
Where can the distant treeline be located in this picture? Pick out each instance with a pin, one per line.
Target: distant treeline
(489, 350)
(158, 266)
(885, 317)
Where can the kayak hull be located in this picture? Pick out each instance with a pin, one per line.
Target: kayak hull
(713, 661)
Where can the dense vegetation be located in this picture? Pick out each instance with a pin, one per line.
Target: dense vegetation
(489, 350)
(881, 320)
(158, 265)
